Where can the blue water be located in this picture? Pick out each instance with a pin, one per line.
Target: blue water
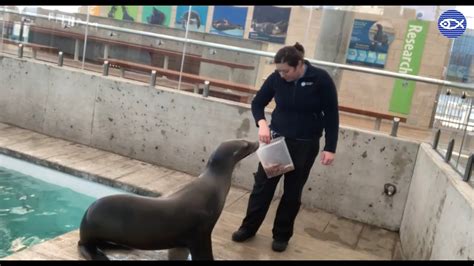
(33, 210)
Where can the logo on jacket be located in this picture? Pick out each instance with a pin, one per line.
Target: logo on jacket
(306, 83)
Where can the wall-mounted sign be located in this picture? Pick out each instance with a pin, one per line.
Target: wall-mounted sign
(369, 43)
(123, 12)
(410, 62)
(156, 15)
(229, 21)
(197, 18)
(270, 23)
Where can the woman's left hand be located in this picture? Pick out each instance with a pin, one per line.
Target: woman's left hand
(327, 157)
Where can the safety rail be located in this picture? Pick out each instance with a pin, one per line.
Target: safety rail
(256, 52)
(466, 172)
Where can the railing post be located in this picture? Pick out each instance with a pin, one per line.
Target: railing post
(396, 122)
(378, 122)
(20, 50)
(449, 151)
(106, 68)
(436, 139)
(60, 58)
(205, 91)
(469, 167)
(76, 50)
(153, 78)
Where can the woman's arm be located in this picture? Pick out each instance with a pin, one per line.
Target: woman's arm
(261, 100)
(331, 113)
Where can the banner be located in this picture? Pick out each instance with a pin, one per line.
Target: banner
(197, 18)
(369, 43)
(123, 12)
(269, 23)
(156, 15)
(410, 61)
(94, 10)
(229, 21)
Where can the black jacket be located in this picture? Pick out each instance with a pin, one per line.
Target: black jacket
(303, 109)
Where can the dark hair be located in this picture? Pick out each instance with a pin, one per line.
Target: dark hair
(290, 55)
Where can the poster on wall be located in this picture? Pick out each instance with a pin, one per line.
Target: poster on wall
(229, 21)
(123, 12)
(270, 23)
(94, 10)
(410, 62)
(197, 18)
(369, 43)
(156, 15)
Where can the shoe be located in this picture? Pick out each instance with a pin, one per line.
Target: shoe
(241, 235)
(279, 245)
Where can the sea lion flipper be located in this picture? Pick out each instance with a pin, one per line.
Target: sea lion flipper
(201, 249)
(90, 252)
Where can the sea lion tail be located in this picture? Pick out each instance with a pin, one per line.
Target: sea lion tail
(90, 252)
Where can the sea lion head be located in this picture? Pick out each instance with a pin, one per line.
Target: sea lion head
(230, 152)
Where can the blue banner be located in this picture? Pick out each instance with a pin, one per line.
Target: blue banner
(369, 43)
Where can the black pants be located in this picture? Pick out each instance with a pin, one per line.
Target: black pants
(303, 153)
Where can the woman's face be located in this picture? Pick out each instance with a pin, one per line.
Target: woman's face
(288, 72)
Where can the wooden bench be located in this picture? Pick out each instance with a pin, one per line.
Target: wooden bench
(34, 47)
(242, 92)
(151, 49)
(198, 80)
(378, 116)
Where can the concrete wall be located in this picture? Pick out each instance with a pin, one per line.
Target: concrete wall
(354, 185)
(179, 130)
(438, 223)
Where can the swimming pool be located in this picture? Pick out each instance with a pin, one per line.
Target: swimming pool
(38, 203)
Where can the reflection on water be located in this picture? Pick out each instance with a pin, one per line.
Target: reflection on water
(33, 211)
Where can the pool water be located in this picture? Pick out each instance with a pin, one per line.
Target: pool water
(35, 209)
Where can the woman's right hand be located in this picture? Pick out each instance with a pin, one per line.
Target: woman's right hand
(263, 132)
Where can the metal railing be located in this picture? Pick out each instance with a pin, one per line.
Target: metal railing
(455, 111)
(455, 117)
(386, 73)
(464, 172)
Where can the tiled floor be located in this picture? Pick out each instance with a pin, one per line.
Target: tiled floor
(318, 234)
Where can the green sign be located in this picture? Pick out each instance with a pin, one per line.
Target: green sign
(410, 61)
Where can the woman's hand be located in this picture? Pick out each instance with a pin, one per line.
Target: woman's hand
(327, 157)
(263, 131)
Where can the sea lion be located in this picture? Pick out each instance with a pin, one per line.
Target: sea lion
(224, 24)
(157, 17)
(270, 28)
(184, 219)
(193, 19)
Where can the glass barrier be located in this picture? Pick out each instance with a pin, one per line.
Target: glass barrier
(454, 117)
(229, 50)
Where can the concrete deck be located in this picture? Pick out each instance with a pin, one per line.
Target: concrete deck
(318, 235)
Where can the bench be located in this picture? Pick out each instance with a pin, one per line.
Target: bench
(34, 47)
(250, 90)
(151, 49)
(378, 116)
(242, 92)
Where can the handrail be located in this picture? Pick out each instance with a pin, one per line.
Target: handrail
(261, 53)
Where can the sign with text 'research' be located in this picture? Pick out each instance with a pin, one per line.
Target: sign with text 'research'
(410, 61)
